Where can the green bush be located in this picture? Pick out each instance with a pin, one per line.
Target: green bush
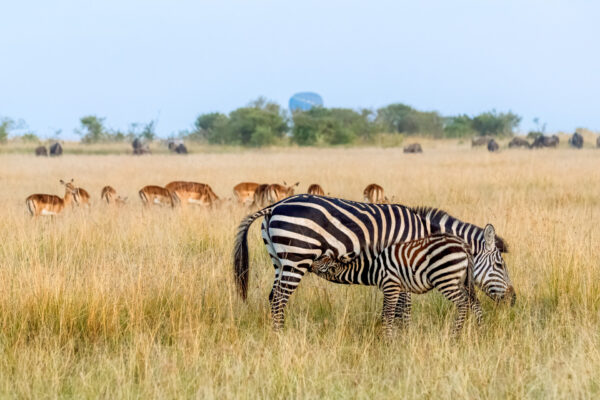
(331, 126)
(6, 125)
(496, 124)
(402, 118)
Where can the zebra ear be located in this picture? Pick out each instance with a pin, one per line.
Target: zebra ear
(489, 236)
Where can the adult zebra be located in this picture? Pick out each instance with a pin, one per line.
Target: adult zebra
(302, 228)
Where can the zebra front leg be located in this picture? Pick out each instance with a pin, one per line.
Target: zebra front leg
(403, 310)
(459, 296)
(390, 299)
(475, 306)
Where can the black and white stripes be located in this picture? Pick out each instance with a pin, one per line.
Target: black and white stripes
(440, 261)
(302, 228)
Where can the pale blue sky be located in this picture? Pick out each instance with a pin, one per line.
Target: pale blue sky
(133, 61)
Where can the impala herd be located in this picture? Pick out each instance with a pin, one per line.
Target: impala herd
(182, 193)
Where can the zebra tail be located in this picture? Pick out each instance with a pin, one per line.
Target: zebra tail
(240, 251)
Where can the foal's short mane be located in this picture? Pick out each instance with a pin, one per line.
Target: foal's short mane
(424, 211)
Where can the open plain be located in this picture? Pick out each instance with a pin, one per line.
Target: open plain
(132, 303)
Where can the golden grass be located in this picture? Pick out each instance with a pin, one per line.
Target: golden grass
(130, 303)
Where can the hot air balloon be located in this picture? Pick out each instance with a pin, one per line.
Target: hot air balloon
(304, 101)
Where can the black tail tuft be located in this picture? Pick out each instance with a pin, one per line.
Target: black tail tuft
(240, 251)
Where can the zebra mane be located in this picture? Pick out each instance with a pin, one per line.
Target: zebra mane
(426, 212)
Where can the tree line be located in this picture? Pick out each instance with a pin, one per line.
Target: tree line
(264, 123)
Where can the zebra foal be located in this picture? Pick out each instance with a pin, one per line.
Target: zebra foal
(440, 261)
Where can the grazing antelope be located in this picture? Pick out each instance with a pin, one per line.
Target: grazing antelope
(277, 192)
(316, 189)
(157, 195)
(49, 204)
(193, 193)
(374, 194)
(108, 194)
(269, 194)
(244, 192)
(83, 197)
(261, 198)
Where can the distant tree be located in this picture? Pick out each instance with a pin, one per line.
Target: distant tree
(539, 130)
(92, 130)
(331, 126)
(260, 124)
(210, 127)
(459, 126)
(30, 137)
(493, 123)
(208, 121)
(6, 124)
(396, 118)
(149, 131)
(118, 136)
(402, 118)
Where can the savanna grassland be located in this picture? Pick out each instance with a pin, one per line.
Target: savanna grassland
(139, 304)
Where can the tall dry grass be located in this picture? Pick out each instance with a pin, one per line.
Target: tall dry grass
(132, 303)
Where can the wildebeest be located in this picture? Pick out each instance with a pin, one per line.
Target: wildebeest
(181, 149)
(598, 142)
(140, 147)
(545, 141)
(41, 151)
(413, 148)
(492, 146)
(56, 150)
(480, 141)
(519, 142)
(576, 140)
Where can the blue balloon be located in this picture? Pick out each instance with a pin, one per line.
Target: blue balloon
(304, 101)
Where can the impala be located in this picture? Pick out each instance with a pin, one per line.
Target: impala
(269, 194)
(83, 197)
(109, 194)
(49, 204)
(316, 189)
(374, 194)
(193, 193)
(157, 195)
(244, 192)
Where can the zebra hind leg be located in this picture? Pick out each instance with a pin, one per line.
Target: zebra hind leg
(288, 282)
(274, 259)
